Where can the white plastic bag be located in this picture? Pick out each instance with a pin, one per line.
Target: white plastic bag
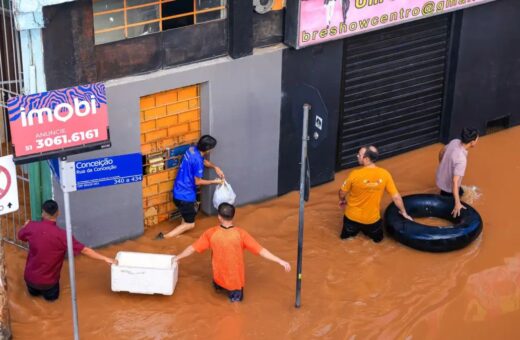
(223, 194)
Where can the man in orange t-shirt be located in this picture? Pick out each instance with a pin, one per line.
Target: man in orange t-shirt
(227, 243)
(361, 193)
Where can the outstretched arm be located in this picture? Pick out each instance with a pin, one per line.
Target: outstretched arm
(201, 181)
(97, 256)
(268, 255)
(185, 253)
(219, 172)
(398, 200)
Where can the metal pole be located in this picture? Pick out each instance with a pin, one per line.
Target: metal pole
(70, 252)
(305, 138)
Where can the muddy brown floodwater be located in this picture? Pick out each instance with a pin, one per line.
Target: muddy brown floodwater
(433, 222)
(352, 289)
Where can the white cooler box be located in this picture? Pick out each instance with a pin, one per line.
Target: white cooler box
(144, 273)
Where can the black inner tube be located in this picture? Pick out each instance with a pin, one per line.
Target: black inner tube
(465, 228)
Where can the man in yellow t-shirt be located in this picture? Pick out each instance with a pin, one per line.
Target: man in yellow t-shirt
(361, 195)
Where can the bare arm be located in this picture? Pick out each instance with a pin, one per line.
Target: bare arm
(342, 198)
(455, 187)
(398, 200)
(185, 253)
(201, 181)
(266, 254)
(97, 256)
(219, 172)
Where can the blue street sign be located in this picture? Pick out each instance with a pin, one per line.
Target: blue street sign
(115, 170)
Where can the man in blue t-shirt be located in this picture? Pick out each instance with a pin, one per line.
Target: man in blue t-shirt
(188, 178)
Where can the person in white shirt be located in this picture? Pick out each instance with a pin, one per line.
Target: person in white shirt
(453, 160)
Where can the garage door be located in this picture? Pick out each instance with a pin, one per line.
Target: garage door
(393, 88)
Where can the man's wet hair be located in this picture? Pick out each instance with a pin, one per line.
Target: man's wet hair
(371, 152)
(50, 207)
(226, 211)
(206, 143)
(468, 135)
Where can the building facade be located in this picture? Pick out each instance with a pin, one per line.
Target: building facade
(173, 73)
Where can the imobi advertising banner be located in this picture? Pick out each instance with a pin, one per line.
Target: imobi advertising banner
(315, 21)
(58, 123)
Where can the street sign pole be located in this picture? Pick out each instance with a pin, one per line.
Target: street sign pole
(70, 251)
(305, 138)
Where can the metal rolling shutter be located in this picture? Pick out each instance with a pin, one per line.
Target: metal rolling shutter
(393, 88)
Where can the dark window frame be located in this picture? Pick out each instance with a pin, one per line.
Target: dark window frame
(154, 25)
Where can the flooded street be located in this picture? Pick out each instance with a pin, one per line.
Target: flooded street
(352, 289)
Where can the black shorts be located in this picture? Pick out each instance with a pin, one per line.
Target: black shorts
(449, 194)
(187, 209)
(352, 228)
(233, 295)
(49, 294)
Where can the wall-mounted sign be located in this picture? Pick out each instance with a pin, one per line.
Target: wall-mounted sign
(310, 22)
(58, 123)
(318, 127)
(8, 185)
(98, 172)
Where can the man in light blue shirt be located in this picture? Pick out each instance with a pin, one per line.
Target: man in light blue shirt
(188, 178)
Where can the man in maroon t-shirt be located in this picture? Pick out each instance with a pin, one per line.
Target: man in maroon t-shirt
(47, 249)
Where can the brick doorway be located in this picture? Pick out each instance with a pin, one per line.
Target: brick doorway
(170, 122)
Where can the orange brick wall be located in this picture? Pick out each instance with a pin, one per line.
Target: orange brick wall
(168, 119)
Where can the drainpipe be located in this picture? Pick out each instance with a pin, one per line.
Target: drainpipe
(29, 22)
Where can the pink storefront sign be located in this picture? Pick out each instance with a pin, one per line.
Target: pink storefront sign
(58, 123)
(315, 21)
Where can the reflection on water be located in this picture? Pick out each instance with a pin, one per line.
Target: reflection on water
(494, 292)
(352, 289)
